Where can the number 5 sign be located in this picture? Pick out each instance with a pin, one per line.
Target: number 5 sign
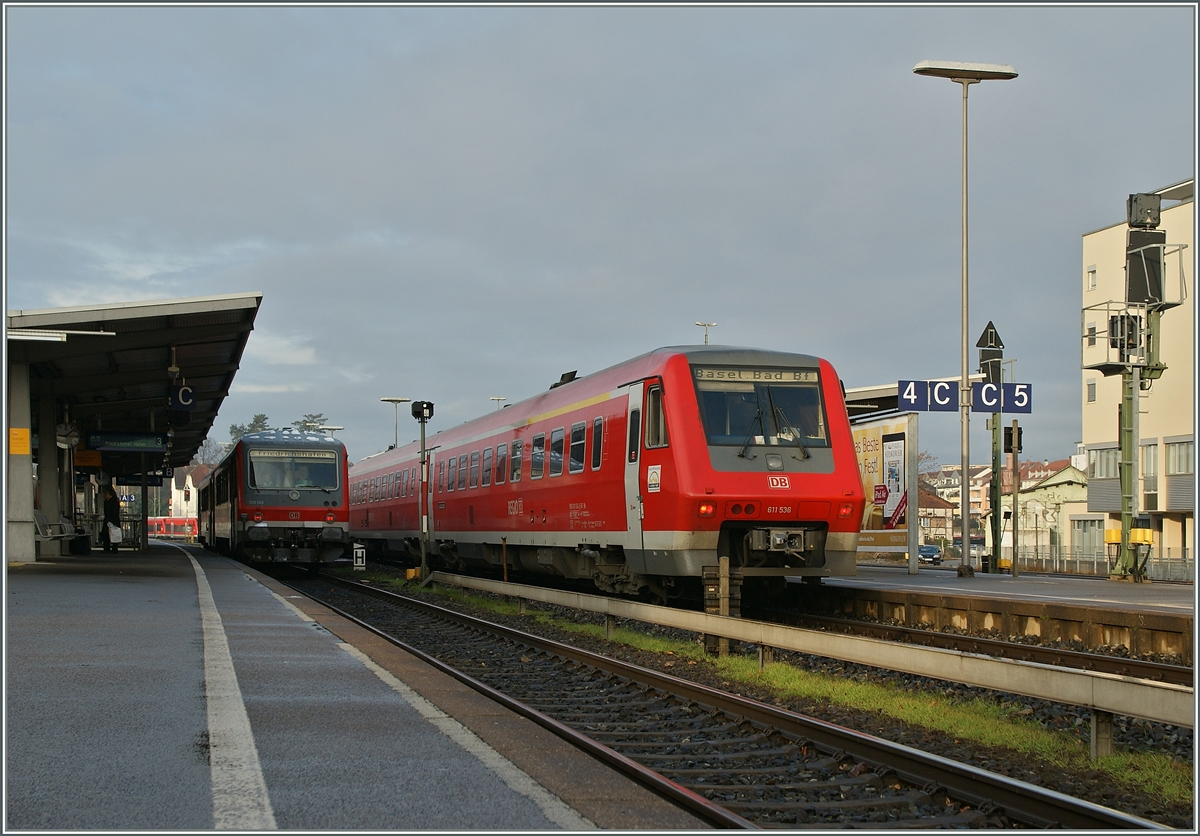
(991, 397)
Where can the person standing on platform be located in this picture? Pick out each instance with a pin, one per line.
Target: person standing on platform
(112, 516)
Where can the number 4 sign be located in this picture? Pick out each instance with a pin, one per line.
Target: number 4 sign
(922, 395)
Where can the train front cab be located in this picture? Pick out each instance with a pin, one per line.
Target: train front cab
(278, 497)
(767, 476)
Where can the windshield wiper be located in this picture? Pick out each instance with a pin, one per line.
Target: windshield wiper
(750, 434)
(781, 420)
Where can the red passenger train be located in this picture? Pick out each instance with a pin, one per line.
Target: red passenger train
(278, 496)
(638, 476)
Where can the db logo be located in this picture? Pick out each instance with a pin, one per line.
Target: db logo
(778, 483)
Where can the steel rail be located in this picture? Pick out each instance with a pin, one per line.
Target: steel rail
(1032, 805)
(689, 800)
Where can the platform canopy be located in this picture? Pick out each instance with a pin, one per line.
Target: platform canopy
(112, 368)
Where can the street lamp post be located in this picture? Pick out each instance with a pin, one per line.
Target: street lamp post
(395, 402)
(498, 400)
(965, 74)
(706, 326)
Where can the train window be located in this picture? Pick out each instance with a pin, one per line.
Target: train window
(412, 481)
(501, 463)
(656, 421)
(741, 407)
(597, 442)
(537, 456)
(578, 442)
(402, 481)
(635, 429)
(557, 443)
(390, 490)
(452, 476)
(487, 467)
(441, 475)
(462, 472)
(475, 469)
(514, 472)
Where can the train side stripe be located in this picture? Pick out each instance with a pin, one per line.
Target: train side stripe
(552, 807)
(563, 410)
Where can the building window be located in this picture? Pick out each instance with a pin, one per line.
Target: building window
(1091, 334)
(1102, 464)
(1091, 391)
(1181, 458)
(1087, 537)
(1091, 278)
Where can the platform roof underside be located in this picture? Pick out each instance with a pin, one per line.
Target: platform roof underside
(116, 378)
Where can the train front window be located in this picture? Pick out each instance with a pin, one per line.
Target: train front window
(285, 470)
(772, 407)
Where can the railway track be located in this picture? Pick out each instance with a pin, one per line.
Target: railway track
(736, 762)
(1120, 665)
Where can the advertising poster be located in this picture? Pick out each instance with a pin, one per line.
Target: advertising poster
(882, 448)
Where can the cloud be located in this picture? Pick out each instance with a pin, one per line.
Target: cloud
(456, 203)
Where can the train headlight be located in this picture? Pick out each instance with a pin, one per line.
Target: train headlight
(707, 509)
(258, 517)
(845, 511)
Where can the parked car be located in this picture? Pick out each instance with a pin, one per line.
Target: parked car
(929, 554)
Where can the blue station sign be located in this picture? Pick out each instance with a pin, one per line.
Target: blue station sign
(942, 396)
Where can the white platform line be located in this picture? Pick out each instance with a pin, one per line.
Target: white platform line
(239, 792)
(552, 807)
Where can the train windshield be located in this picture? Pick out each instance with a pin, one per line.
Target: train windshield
(286, 470)
(744, 407)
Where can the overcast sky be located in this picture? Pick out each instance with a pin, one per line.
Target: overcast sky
(453, 204)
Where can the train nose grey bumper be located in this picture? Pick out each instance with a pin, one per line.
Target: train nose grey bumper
(333, 534)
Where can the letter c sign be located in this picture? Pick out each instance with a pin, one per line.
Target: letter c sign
(183, 398)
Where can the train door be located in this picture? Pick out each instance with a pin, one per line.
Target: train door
(634, 542)
(658, 476)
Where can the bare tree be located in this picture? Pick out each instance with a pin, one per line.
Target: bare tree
(210, 451)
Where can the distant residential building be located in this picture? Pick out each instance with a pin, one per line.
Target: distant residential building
(1050, 494)
(936, 517)
(1166, 451)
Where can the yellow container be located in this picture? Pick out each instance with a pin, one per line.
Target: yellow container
(1112, 535)
(412, 574)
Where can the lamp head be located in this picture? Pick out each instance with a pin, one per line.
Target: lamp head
(963, 71)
